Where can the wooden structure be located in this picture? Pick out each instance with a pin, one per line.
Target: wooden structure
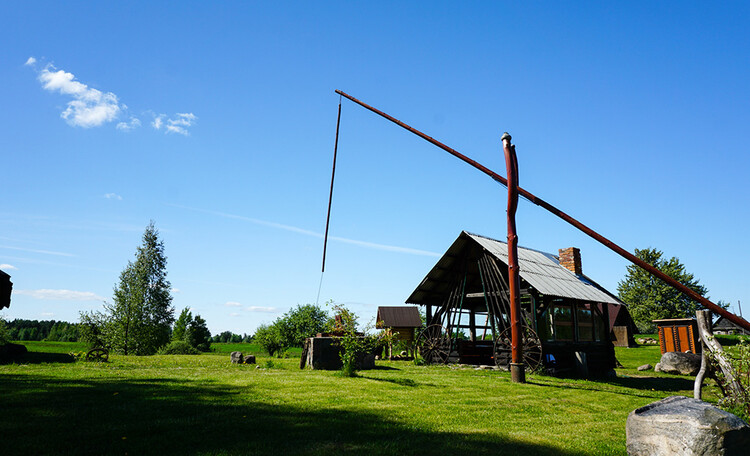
(678, 335)
(565, 314)
(6, 287)
(724, 326)
(402, 321)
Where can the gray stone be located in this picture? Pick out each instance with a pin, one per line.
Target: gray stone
(645, 367)
(249, 359)
(236, 357)
(679, 363)
(679, 425)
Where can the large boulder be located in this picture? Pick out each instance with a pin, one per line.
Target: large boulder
(236, 357)
(249, 359)
(679, 363)
(679, 425)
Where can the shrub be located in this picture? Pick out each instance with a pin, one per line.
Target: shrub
(4, 335)
(178, 347)
(739, 358)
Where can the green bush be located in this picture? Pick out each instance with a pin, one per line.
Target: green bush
(739, 358)
(4, 335)
(178, 347)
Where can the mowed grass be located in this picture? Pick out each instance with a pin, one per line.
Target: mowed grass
(203, 405)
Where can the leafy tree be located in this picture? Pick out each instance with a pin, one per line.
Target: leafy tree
(192, 330)
(181, 324)
(302, 322)
(4, 333)
(198, 335)
(269, 338)
(649, 298)
(291, 329)
(139, 320)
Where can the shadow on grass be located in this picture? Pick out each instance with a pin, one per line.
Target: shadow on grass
(636, 384)
(170, 417)
(396, 381)
(40, 358)
(655, 383)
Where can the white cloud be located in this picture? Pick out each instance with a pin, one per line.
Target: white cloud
(89, 107)
(131, 125)
(113, 196)
(177, 124)
(60, 295)
(7, 267)
(175, 290)
(233, 304)
(262, 309)
(47, 314)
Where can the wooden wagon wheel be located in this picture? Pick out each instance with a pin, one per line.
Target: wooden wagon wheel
(434, 345)
(97, 354)
(532, 348)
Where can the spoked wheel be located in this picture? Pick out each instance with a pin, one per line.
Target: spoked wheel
(97, 354)
(532, 348)
(434, 345)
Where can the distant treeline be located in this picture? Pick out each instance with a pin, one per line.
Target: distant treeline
(60, 331)
(230, 337)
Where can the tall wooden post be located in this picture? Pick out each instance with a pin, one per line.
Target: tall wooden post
(517, 368)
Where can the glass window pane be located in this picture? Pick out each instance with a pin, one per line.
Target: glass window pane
(563, 322)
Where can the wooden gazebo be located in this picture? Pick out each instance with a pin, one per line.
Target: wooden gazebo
(565, 314)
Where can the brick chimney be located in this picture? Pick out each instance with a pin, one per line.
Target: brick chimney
(570, 258)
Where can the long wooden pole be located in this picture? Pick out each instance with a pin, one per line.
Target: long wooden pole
(517, 368)
(541, 203)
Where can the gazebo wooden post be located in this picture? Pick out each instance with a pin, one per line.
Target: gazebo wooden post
(517, 368)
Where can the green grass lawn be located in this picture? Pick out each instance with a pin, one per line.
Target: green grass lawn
(202, 404)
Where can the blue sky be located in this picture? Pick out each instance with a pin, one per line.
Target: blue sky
(217, 122)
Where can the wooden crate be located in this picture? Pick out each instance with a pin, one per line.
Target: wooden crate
(678, 335)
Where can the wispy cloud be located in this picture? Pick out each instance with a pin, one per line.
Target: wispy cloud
(233, 304)
(262, 309)
(30, 61)
(47, 314)
(7, 267)
(366, 244)
(89, 107)
(130, 125)
(113, 196)
(44, 252)
(60, 295)
(175, 290)
(179, 123)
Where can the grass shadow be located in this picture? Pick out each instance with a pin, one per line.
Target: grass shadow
(39, 358)
(395, 381)
(90, 416)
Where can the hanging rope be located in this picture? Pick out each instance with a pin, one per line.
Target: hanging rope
(330, 200)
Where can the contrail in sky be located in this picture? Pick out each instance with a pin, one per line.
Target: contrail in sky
(294, 229)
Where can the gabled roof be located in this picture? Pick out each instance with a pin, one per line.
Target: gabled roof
(723, 323)
(398, 317)
(540, 270)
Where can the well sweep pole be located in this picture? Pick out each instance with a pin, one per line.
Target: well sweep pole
(741, 322)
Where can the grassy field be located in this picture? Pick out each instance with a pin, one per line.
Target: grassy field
(203, 405)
